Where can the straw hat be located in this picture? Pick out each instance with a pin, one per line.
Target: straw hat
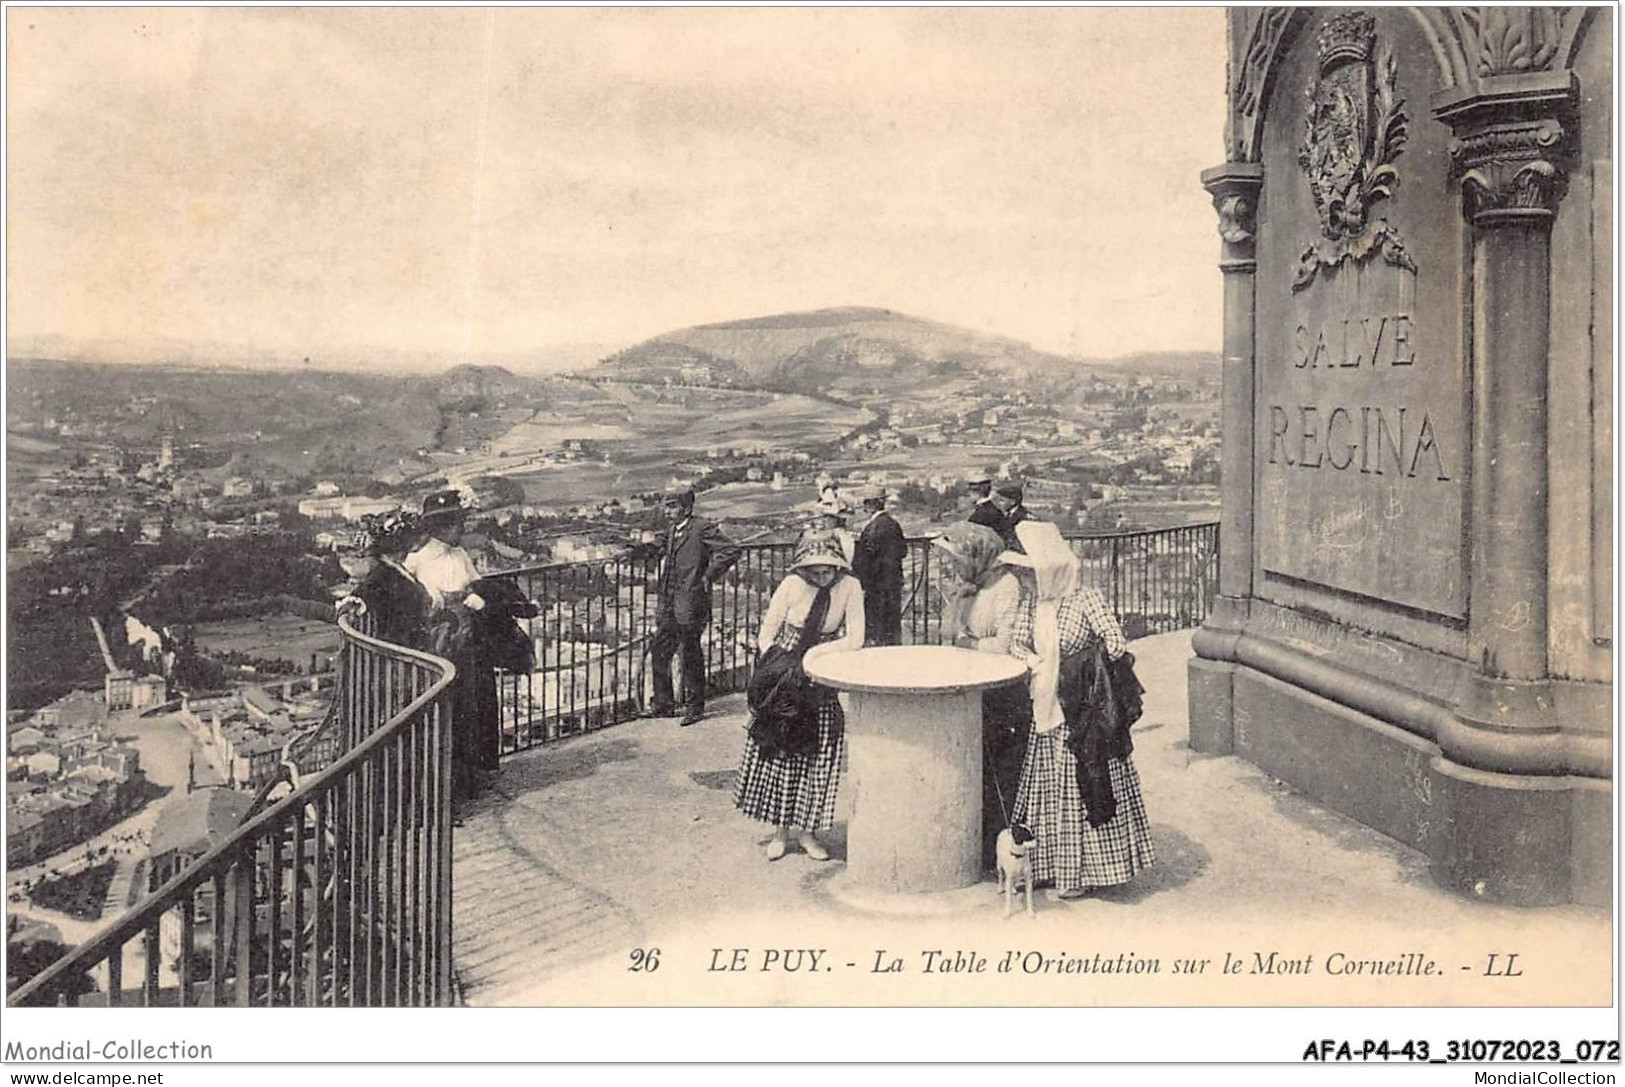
(875, 498)
(832, 506)
(819, 551)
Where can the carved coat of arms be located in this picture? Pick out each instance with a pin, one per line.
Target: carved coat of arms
(1354, 130)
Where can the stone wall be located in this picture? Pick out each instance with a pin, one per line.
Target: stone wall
(1414, 622)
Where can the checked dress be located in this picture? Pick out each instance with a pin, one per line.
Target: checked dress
(796, 790)
(1068, 851)
(791, 789)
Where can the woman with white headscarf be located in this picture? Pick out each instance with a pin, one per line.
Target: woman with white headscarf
(1059, 620)
(981, 598)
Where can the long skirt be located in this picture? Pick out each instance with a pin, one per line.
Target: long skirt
(477, 736)
(1006, 722)
(1069, 852)
(795, 790)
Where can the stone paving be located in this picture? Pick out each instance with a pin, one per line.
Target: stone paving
(594, 849)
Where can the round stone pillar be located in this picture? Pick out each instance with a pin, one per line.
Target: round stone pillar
(1496, 785)
(914, 754)
(1507, 152)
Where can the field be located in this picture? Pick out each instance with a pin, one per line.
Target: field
(747, 501)
(274, 637)
(954, 461)
(643, 432)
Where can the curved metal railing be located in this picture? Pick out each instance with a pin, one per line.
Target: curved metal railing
(592, 634)
(337, 894)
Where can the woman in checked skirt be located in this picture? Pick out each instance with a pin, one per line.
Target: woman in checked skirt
(1055, 619)
(796, 788)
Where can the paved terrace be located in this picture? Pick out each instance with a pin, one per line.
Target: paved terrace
(628, 839)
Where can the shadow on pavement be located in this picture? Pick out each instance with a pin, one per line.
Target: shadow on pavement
(1179, 861)
(567, 762)
(721, 780)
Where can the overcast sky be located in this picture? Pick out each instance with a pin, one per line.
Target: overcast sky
(318, 181)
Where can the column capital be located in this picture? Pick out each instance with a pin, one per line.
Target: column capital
(1234, 187)
(1512, 139)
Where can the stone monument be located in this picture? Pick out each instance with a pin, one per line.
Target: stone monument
(1414, 622)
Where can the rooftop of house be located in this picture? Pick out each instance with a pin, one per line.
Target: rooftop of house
(198, 821)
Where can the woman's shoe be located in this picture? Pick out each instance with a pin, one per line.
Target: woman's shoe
(813, 847)
(1072, 893)
(776, 848)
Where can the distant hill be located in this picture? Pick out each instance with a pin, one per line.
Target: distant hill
(477, 388)
(807, 352)
(804, 352)
(281, 423)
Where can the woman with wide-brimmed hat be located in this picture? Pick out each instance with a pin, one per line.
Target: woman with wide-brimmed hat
(791, 766)
(447, 572)
(828, 517)
(388, 602)
(1079, 791)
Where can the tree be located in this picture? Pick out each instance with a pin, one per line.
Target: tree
(1204, 468)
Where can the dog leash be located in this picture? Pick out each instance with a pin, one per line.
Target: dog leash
(998, 791)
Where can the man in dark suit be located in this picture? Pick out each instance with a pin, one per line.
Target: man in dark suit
(984, 512)
(877, 562)
(695, 554)
(1007, 497)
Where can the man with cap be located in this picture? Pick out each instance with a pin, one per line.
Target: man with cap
(984, 512)
(695, 554)
(877, 562)
(1007, 498)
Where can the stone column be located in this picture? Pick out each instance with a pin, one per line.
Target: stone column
(1509, 138)
(1234, 187)
(1511, 133)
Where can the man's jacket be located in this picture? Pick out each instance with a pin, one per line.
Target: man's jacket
(877, 561)
(694, 555)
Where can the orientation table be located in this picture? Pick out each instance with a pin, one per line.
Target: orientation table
(914, 747)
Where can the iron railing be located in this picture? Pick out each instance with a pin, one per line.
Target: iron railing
(592, 635)
(339, 893)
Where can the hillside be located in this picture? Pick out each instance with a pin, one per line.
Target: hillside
(807, 352)
(287, 424)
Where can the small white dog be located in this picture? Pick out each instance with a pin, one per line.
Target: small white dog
(1011, 855)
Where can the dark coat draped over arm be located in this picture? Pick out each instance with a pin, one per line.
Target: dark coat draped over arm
(502, 642)
(1101, 699)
